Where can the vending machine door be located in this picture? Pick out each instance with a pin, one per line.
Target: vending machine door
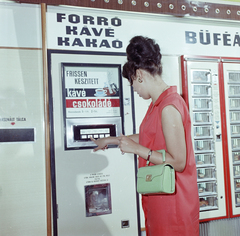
(94, 193)
(231, 69)
(204, 106)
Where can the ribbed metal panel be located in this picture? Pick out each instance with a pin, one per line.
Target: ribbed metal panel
(225, 227)
(203, 229)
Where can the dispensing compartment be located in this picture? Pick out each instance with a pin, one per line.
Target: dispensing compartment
(236, 157)
(202, 117)
(234, 90)
(202, 104)
(203, 132)
(234, 103)
(237, 184)
(203, 145)
(236, 170)
(235, 143)
(206, 174)
(208, 203)
(235, 130)
(201, 90)
(234, 116)
(207, 188)
(201, 76)
(205, 160)
(234, 77)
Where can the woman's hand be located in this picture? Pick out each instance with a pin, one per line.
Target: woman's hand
(101, 143)
(126, 144)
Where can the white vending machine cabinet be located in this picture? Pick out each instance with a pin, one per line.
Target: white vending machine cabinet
(94, 193)
(202, 88)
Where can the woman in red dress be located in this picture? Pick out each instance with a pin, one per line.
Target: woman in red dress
(167, 126)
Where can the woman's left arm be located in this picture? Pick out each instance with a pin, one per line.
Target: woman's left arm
(174, 134)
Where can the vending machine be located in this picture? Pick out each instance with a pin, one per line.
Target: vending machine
(231, 73)
(210, 88)
(94, 193)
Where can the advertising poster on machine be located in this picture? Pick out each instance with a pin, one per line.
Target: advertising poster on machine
(91, 94)
(91, 91)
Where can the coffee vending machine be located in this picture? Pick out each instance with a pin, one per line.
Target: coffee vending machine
(94, 193)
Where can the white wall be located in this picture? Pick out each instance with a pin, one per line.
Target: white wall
(22, 165)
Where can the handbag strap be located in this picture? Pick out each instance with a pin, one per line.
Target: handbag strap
(163, 154)
(161, 151)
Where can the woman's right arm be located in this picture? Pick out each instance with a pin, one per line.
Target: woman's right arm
(103, 143)
(134, 137)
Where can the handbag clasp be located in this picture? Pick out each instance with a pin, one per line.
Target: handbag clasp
(148, 178)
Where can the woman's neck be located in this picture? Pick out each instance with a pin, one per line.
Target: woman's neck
(158, 90)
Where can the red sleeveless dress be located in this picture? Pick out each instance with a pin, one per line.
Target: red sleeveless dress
(176, 214)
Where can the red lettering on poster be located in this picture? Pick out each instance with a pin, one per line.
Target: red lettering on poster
(92, 103)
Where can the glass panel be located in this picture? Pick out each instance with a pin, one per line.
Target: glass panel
(237, 184)
(202, 104)
(203, 117)
(235, 130)
(235, 116)
(202, 131)
(208, 203)
(237, 195)
(201, 75)
(236, 156)
(236, 171)
(234, 90)
(203, 145)
(234, 103)
(201, 90)
(208, 187)
(235, 143)
(234, 77)
(206, 173)
(205, 159)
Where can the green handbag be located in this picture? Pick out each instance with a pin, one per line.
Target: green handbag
(156, 179)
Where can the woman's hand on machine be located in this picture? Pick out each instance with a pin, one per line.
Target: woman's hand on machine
(101, 144)
(126, 144)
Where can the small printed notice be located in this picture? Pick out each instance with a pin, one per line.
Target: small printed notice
(96, 178)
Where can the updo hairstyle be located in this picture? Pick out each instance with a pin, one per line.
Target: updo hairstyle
(142, 53)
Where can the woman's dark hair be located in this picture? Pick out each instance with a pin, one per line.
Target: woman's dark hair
(142, 53)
